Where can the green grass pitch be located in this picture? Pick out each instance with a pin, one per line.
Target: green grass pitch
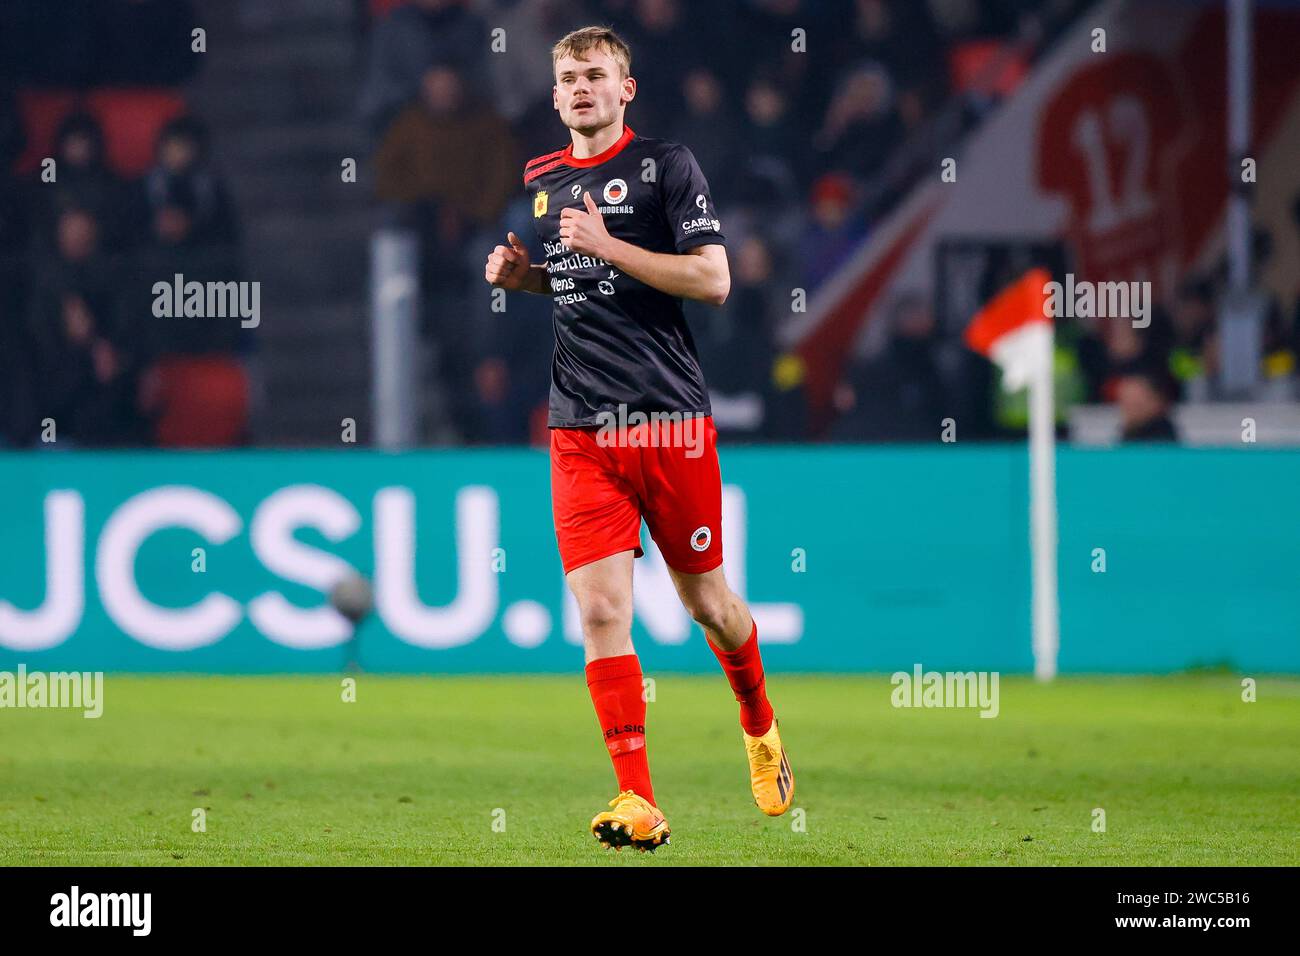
(418, 771)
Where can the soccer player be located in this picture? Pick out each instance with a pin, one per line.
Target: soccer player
(629, 230)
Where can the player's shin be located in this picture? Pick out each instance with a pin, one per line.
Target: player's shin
(618, 695)
(744, 669)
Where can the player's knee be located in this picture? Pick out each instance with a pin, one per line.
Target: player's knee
(602, 613)
(710, 610)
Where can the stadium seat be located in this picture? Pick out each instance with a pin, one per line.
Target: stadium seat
(131, 119)
(203, 402)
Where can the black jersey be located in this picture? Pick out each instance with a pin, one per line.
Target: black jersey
(619, 342)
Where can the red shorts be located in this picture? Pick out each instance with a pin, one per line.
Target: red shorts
(603, 482)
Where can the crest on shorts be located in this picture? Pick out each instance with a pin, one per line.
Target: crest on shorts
(701, 537)
(539, 204)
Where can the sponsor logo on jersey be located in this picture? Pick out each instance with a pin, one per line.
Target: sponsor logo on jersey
(575, 190)
(539, 204)
(605, 286)
(560, 258)
(705, 222)
(695, 225)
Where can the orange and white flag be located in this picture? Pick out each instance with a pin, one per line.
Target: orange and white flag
(1015, 331)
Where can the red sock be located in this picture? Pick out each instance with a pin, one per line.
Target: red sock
(744, 670)
(616, 692)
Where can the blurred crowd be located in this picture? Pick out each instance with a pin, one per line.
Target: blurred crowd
(86, 234)
(793, 146)
(1179, 357)
(908, 376)
(805, 153)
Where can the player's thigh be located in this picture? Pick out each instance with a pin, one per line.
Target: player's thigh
(596, 511)
(682, 500)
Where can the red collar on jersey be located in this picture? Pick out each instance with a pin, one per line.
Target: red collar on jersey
(568, 158)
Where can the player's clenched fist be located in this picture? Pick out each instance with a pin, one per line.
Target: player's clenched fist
(508, 266)
(584, 231)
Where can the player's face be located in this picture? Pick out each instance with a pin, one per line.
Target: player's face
(590, 94)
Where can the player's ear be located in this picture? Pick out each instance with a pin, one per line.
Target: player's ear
(629, 90)
(555, 98)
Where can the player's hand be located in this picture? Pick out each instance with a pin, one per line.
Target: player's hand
(508, 266)
(584, 231)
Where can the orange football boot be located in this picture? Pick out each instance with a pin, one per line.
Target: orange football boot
(632, 821)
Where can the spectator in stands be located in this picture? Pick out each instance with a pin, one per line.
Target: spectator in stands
(901, 394)
(187, 203)
(762, 40)
(194, 387)
(76, 259)
(1144, 401)
(1113, 350)
(704, 125)
(84, 181)
(736, 342)
(768, 169)
(1278, 361)
(658, 34)
(453, 166)
(449, 152)
(901, 37)
(86, 371)
(407, 43)
(1193, 326)
(861, 126)
(833, 231)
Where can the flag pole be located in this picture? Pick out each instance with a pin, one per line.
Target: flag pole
(1015, 331)
(1042, 512)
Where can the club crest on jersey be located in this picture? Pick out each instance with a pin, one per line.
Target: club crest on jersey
(615, 191)
(539, 204)
(701, 538)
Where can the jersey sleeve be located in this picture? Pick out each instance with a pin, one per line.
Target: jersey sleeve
(687, 203)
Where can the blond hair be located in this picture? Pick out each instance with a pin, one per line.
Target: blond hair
(579, 43)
